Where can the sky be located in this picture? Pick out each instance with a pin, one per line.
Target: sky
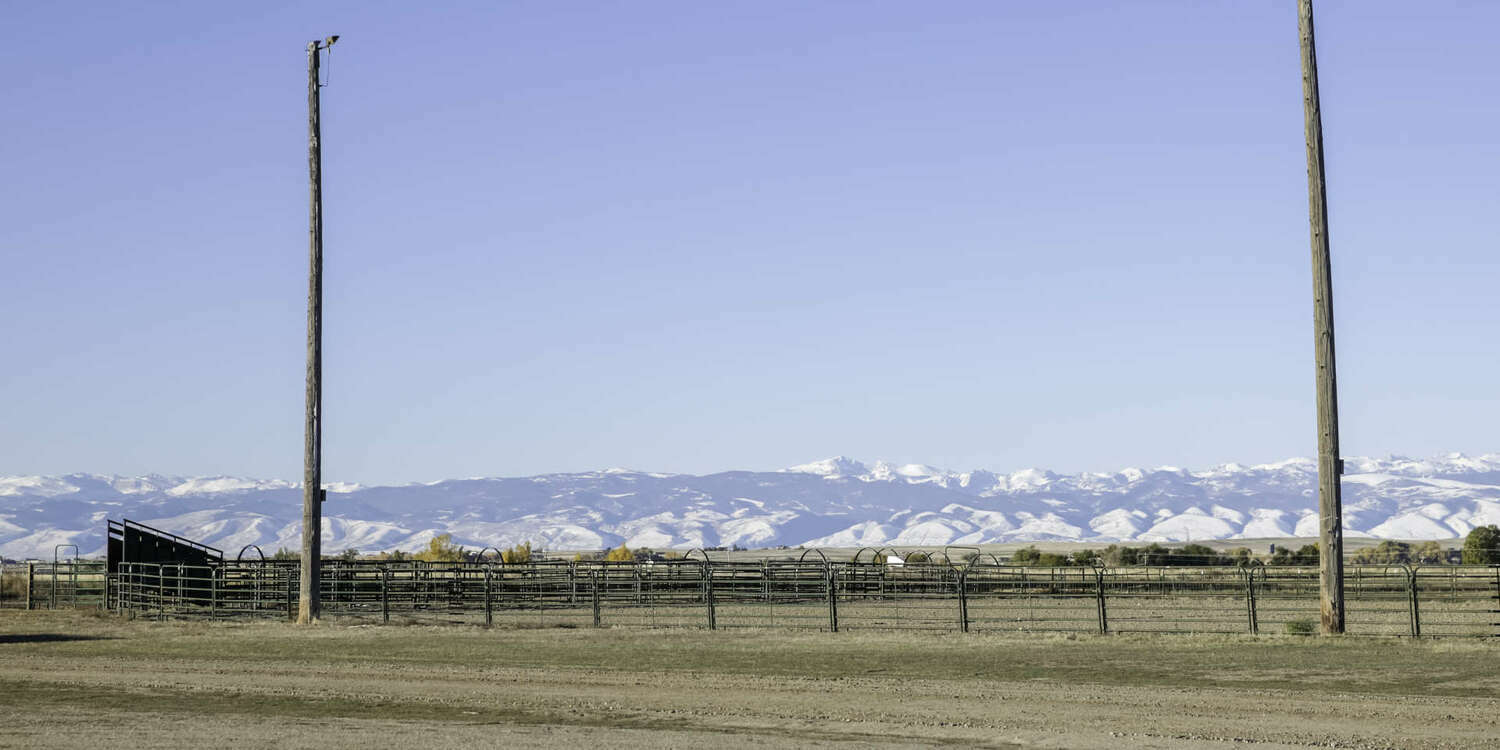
(689, 236)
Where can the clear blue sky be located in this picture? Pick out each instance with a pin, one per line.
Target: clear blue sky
(699, 236)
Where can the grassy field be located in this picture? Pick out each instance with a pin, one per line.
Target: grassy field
(81, 680)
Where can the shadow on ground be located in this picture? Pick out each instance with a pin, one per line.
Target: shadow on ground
(50, 638)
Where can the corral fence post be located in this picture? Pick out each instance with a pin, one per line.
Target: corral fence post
(708, 594)
(489, 613)
(1252, 616)
(385, 594)
(1412, 596)
(291, 595)
(1496, 625)
(963, 601)
(1099, 589)
(213, 593)
(833, 600)
(30, 582)
(594, 597)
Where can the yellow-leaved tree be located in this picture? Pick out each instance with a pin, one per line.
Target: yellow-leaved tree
(620, 554)
(441, 549)
(521, 553)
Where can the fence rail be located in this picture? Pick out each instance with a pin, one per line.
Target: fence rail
(45, 585)
(808, 594)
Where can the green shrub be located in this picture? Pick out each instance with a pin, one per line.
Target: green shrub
(1388, 552)
(1154, 554)
(1482, 546)
(1430, 553)
(1301, 627)
(1115, 555)
(1307, 554)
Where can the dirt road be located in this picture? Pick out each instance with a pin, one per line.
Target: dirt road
(72, 681)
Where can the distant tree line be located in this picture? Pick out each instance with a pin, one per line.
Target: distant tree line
(1391, 552)
(623, 553)
(440, 548)
(1117, 555)
(1480, 547)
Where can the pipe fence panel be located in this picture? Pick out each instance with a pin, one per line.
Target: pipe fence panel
(1006, 598)
(907, 597)
(1286, 600)
(674, 593)
(1209, 599)
(1456, 601)
(13, 584)
(780, 594)
(535, 595)
(66, 584)
(1377, 600)
(1391, 600)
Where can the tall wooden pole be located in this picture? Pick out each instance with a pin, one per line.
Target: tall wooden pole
(308, 605)
(1330, 467)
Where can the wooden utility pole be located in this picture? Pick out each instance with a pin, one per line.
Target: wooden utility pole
(1330, 466)
(308, 605)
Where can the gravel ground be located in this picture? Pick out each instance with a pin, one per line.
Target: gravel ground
(68, 680)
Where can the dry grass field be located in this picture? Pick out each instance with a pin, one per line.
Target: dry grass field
(76, 680)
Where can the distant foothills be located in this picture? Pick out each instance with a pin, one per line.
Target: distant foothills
(836, 502)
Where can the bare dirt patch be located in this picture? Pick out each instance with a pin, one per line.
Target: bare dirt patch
(99, 680)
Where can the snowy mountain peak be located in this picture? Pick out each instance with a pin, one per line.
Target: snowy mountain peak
(214, 485)
(886, 471)
(35, 485)
(835, 467)
(834, 502)
(1029, 479)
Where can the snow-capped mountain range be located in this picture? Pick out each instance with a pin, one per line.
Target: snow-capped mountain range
(835, 502)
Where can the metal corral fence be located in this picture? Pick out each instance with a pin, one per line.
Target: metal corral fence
(45, 585)
(807, 594)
